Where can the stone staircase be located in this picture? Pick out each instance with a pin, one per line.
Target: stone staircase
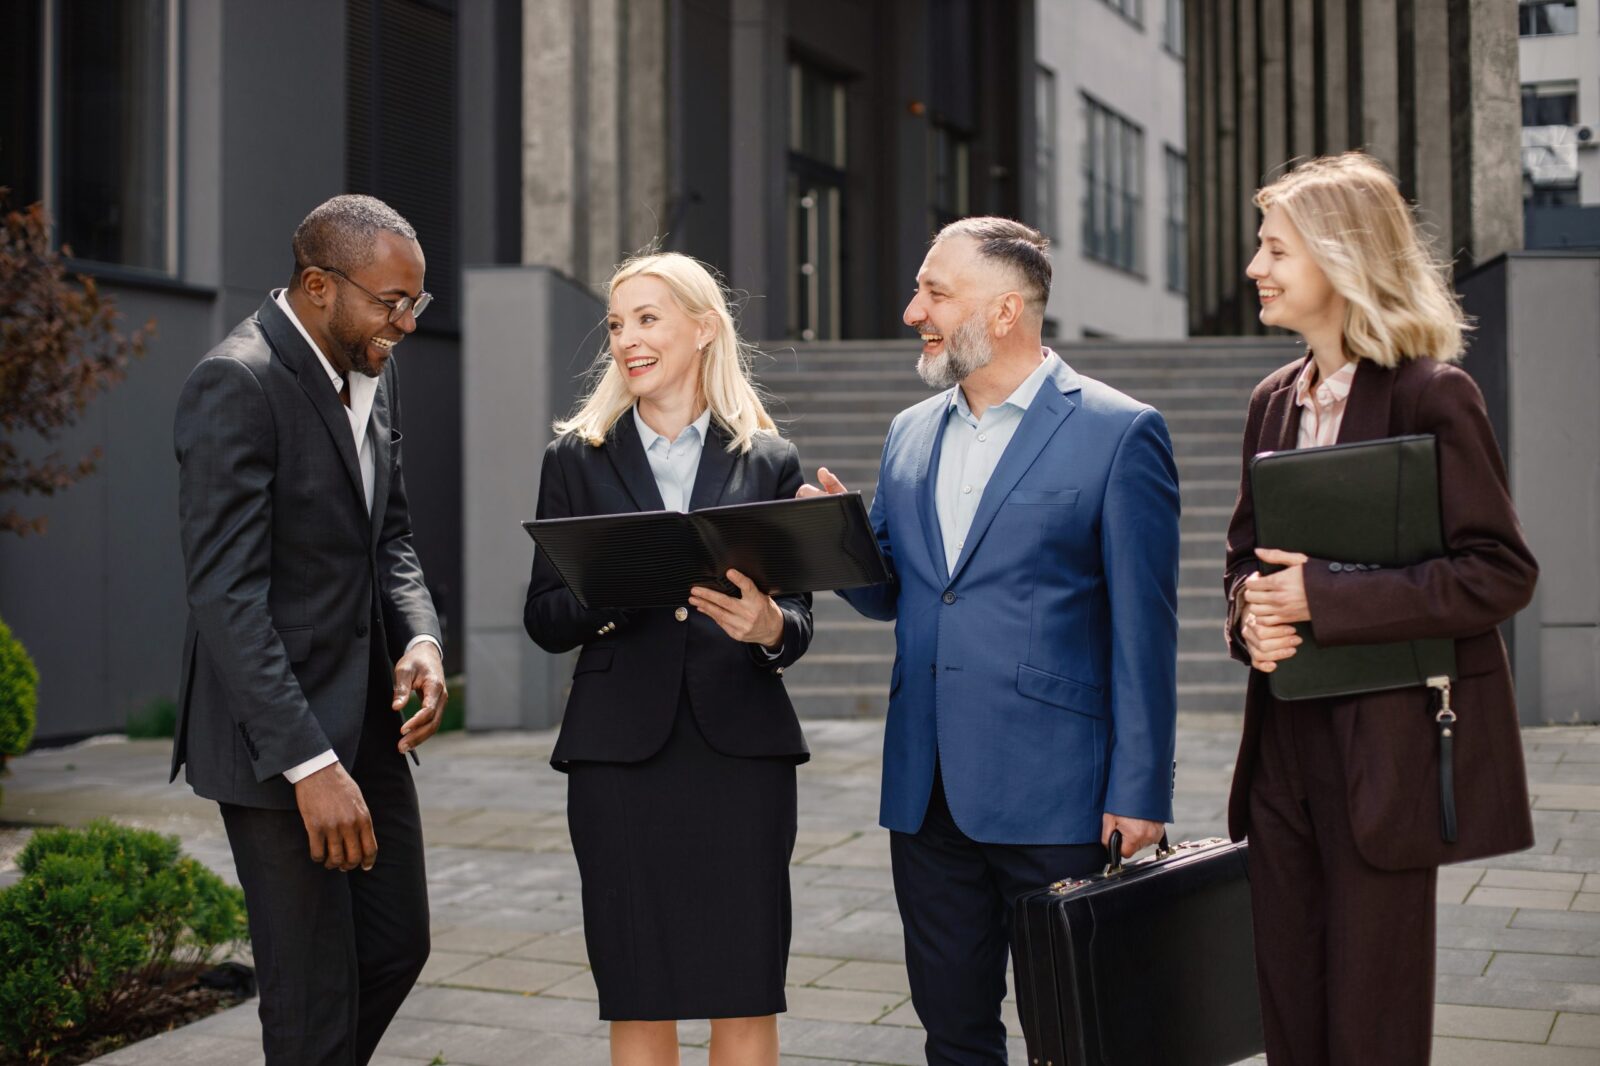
(835, 401)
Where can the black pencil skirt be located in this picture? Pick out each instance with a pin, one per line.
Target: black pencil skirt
(685, 866)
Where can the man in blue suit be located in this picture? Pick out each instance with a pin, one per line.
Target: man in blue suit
(1030, 519)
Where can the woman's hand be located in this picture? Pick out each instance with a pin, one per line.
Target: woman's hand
(1272, 604)
(752, 617)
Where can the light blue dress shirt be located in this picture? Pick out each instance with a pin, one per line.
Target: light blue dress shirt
(972, 449)
(674, 462)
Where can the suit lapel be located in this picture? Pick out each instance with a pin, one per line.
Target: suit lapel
(1366, 412)
(1280, 425)
(297, 355)
(716, 464)
(626, 452)
(1050, 408)
(927, 446)
(382, 445)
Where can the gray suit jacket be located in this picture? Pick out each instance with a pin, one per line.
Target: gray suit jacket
(290, 581)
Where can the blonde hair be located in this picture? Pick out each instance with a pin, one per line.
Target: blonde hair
(1363, 235)
(724, 373)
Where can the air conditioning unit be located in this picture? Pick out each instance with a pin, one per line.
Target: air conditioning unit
(1585, 137)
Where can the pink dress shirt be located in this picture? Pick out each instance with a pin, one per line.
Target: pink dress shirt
(1324, 403)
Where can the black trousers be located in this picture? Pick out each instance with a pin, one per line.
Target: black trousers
(955, 896)
(1344, 950)
(336, 953)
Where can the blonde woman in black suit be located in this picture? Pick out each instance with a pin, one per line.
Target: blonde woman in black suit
(679, 741)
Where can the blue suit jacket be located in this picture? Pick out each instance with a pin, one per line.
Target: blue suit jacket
(1041, 671)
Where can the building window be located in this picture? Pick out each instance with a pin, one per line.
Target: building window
(817, 161)
(1177, 221)
(1113, 189)
(1172, 28)
(1543, 18)
(1550, 104)
(1132, 10)
(109, 104)
(1549, 142)
(1047, 182)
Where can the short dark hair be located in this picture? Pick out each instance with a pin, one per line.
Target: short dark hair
(1019, 246)
(341, 233)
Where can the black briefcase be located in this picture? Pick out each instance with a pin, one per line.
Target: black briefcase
(1150, 964)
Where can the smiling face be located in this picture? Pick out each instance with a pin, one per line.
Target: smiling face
(1295, 294)
(357, 332)
(949, 311)
(655, 343)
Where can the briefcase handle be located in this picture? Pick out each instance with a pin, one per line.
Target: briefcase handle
(1114, 851)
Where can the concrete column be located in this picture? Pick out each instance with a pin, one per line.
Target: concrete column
(1486, 104)
(1432, 150)
(551, 130)
(1380, 82)
(1336, 79)
(1272, 89)
(1302, 78)
(527, 333)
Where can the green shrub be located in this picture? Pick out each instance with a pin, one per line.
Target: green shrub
(19, 696)
(105, 920)
(156, 719)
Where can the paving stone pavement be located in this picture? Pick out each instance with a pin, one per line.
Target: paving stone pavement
(508, 983)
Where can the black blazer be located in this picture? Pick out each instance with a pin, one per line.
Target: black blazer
(626, 684)
(292, 585)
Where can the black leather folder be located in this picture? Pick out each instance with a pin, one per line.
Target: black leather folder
(653, 558)
(1370, 505)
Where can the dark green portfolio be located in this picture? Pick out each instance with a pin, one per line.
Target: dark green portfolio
(1369, 505)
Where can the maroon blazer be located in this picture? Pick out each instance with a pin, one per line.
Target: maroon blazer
(1387, 740)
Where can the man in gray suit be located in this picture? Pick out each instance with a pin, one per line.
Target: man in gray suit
(309, 629)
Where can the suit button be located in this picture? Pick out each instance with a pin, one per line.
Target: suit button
(361, 629)
(779, 671)
(949, 597)
(1336, 567)
(681, 614)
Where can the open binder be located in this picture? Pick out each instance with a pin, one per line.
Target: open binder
(653, 558)
(1369, 504)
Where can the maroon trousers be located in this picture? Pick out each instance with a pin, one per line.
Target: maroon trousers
(1344, 950)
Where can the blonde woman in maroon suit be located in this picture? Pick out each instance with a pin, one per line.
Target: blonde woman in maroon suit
(1340, 797)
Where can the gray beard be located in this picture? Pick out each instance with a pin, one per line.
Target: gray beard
(966, 349)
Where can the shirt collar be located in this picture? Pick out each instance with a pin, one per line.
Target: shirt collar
(649, 436)
(281, 297)
(1022, 396)
(363, 390)
(1331, 391)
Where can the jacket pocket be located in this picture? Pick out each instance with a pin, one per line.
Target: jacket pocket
(1061, 691)
(296, 642)
(594, 659)
(1044, 497)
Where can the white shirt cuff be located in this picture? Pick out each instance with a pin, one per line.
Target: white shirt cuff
(772, 654)
(295, 774)
(419, 638)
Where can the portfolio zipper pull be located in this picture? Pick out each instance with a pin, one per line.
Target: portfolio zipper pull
(1445, 721)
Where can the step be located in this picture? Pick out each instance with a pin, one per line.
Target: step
(1213, 696)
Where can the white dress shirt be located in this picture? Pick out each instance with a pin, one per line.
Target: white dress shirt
(972, 449)
(363, 391)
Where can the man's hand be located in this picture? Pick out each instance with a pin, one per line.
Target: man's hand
(338, 824)
(752, 617)
(420, 670)
(831, 486)
(1136, 832)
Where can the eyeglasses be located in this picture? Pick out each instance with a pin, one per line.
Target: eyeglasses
(397, 309)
